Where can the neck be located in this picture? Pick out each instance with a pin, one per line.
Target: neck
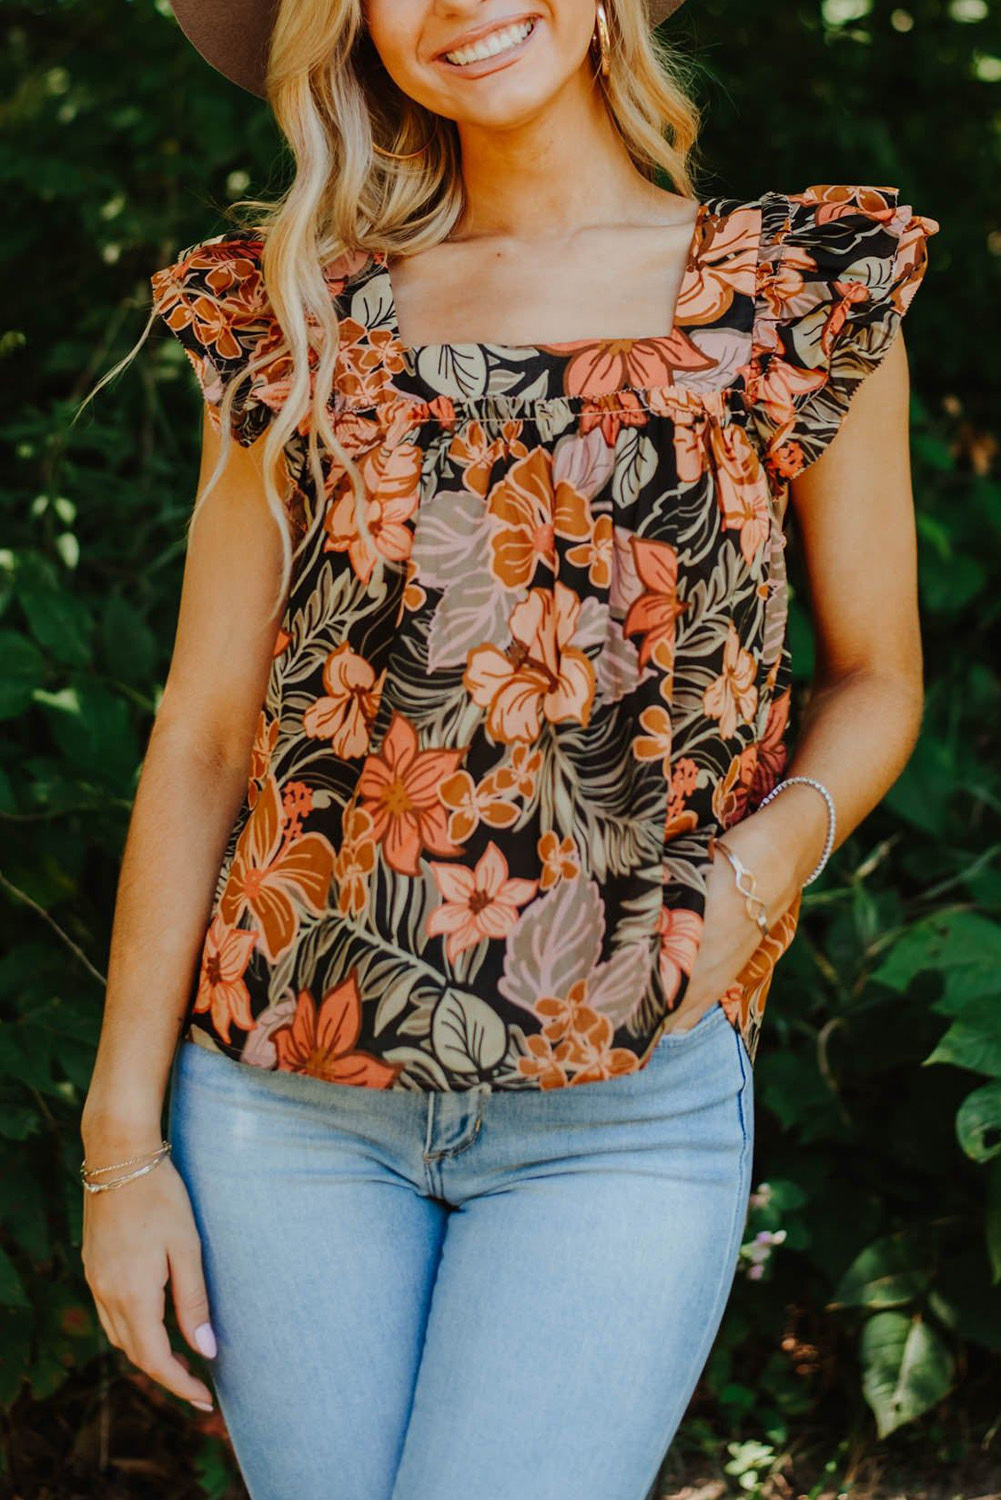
(549, 176)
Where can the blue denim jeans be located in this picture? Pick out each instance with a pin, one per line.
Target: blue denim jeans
(486, 1295)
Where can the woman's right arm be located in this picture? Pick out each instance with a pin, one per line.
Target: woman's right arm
(193, 779)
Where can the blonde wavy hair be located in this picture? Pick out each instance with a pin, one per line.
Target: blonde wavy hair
(332, 99)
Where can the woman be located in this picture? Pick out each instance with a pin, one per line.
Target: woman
(454, 742)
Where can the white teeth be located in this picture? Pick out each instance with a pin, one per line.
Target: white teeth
(497, 41)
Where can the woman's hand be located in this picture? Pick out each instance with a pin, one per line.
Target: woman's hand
(135, 1238)
(730, 935)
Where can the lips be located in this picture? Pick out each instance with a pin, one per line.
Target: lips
(481, 34)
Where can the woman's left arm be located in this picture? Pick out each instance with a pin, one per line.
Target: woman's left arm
(854, 510)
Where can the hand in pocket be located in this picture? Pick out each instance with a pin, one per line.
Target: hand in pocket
(730, 937)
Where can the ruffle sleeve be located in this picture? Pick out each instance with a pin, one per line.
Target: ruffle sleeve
(838, 268)
(213, 299)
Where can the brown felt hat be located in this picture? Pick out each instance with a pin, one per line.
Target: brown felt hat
(233, 35)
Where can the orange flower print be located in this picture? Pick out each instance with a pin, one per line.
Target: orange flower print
(478, 903)
(541, 1064)
(588, 1049)
(730, 794)
(355, 861)
(412, 595)
(680, 817)
(655, 611)
(780, 390)
(478, 454)
(560, 859)
(323, 1041)
(596, 553)
(440, 408)
(541, 674)
(742, 493)
(221, 987)
(752, 774)
(234, 292)
(517, 773)
(265, 739)
(400, 790)
(744, 1000)
(583, 1055)
(836, 200)
(277, 869)
(366, 362)
(472, 805)
(601, 367)
(692, 438)
(358, 434)
(561, 1015)
(490, 802)
(609, 414)
(772, 750)
(346, 715)
(530, 515)
(656, 743)
(680, 934)
(786, 460)
(732, 696)
(391, 475)
(725, 264)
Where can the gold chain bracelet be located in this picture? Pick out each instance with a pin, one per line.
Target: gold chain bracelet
(151, 1159)
(129, 1161)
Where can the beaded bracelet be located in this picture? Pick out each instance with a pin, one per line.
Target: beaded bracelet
(831, 821)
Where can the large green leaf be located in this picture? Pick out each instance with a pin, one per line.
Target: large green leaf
(128, 643)
(961, 945)
(906, 1368)
(922, 793)
(890, 1272)
(978, 1122)
(24, 1057)
(22, 672)
(91, 726)
(59, 621)
(973, 1040)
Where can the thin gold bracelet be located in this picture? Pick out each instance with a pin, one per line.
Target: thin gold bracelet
(741, 872)
(129, 1162)
(104, 1187)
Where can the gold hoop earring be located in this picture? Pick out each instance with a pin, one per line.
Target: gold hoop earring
(604, 40)
(407, 155)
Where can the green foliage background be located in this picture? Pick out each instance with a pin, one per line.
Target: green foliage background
(877, 1213)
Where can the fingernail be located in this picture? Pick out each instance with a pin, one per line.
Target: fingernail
(205, 1339)
(203, 1405)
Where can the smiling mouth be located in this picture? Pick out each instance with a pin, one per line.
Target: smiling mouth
(497, 44)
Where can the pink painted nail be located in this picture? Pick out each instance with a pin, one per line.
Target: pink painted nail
(203, 1405)
(205, 1339)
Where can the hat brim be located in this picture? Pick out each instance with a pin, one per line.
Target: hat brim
(234, 35)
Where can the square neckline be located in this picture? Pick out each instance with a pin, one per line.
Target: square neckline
(412, 352)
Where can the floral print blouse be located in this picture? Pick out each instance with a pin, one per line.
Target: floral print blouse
(475, 839)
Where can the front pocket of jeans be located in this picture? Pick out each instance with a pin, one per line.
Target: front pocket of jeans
(671, 1040)
(741, 1043)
